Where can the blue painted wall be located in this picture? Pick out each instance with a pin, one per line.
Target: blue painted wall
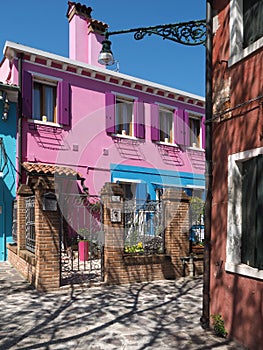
(8, 132)
(157, 178)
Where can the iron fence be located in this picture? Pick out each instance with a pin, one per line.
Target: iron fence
(144, 227)
(30, 223)
(14, 222)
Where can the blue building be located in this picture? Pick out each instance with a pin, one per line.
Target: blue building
(8, 172)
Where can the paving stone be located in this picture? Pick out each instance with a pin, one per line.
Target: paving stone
(156, 315)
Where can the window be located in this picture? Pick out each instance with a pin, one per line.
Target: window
(195, 131)
(124, 117)
(45, 98)
(166, 125)
(45, 102)
(252, 205)
(14, 222)
(245, 205)
(30, 223)
(252, 21)
(163, 121)
(246, 28)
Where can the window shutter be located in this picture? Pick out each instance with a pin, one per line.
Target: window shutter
(27, 94)
(141, 192)
(155, 125)
(110, 112)
(249, 199)
(179, 126)
(139, 127)
(259, 217)
(203, 132)
(63, 103)
(187, 129)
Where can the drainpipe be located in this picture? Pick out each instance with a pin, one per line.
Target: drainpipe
(205, 319)
(19, 123)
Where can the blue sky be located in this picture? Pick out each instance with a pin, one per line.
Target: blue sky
(43, 25)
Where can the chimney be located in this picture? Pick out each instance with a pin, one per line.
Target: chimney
(85, 34)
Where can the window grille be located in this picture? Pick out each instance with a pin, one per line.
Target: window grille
(30, 224)
(14, 222)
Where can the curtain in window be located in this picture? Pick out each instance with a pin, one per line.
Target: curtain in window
(49, 103)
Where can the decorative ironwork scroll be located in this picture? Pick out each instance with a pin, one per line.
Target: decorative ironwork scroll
(187, 33)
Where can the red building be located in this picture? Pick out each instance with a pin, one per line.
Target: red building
(236, 268)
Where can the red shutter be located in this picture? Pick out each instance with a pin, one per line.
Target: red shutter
(139, 125)
(110, 112)
(27, 93)
(63, 103)
(155, 125)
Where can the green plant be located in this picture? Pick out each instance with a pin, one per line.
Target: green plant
(136, 248)
(219, 326)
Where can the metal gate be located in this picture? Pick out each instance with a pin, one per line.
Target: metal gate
(82, 239)
(144, 227)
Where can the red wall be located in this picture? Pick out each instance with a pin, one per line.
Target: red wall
(238, 299)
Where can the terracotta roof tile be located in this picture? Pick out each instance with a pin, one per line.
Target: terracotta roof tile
(49, 169)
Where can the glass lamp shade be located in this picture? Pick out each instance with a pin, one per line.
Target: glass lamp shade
(106, 58)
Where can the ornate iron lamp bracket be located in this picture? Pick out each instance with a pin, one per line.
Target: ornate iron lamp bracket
(191, 33)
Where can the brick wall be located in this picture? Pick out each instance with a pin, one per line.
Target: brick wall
(125, 268)
(42, 268)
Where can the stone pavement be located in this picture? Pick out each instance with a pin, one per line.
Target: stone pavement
(156, 315)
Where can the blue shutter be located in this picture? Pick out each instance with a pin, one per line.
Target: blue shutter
(27, 94)
(110, 112)
(139, 124)
(155, 123)
(141, 192)
(63, 103)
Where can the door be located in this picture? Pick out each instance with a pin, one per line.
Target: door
(2, 234)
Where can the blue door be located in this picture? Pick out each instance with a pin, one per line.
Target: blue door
(2, 234)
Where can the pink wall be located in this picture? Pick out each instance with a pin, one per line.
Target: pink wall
(86, 145)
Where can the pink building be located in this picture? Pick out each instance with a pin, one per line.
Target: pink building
(106, 125)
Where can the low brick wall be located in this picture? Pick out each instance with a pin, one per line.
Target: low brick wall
(24, 262)
(129, 268)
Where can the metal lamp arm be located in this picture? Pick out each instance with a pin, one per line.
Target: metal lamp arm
(191, 33)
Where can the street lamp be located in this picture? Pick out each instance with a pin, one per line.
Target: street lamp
(191, 33)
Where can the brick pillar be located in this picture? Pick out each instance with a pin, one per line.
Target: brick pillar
(47, 235)
(112, 199)
(176, 204)
(22, 192)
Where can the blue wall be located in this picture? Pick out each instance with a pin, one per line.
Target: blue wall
(157, 178)
(8, 131)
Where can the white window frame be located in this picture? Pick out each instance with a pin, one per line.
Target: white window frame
(237, 52)
(163, 108)
(45, 80)
(234, 219)
(199, 117)
(125, 99)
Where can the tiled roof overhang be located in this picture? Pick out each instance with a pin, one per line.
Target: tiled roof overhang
(51, 170)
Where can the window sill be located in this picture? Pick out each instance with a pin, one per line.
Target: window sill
(245, 270)
(126, 137)
(42, 123)
(168, 144)
(195, 149)
(243, 53)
